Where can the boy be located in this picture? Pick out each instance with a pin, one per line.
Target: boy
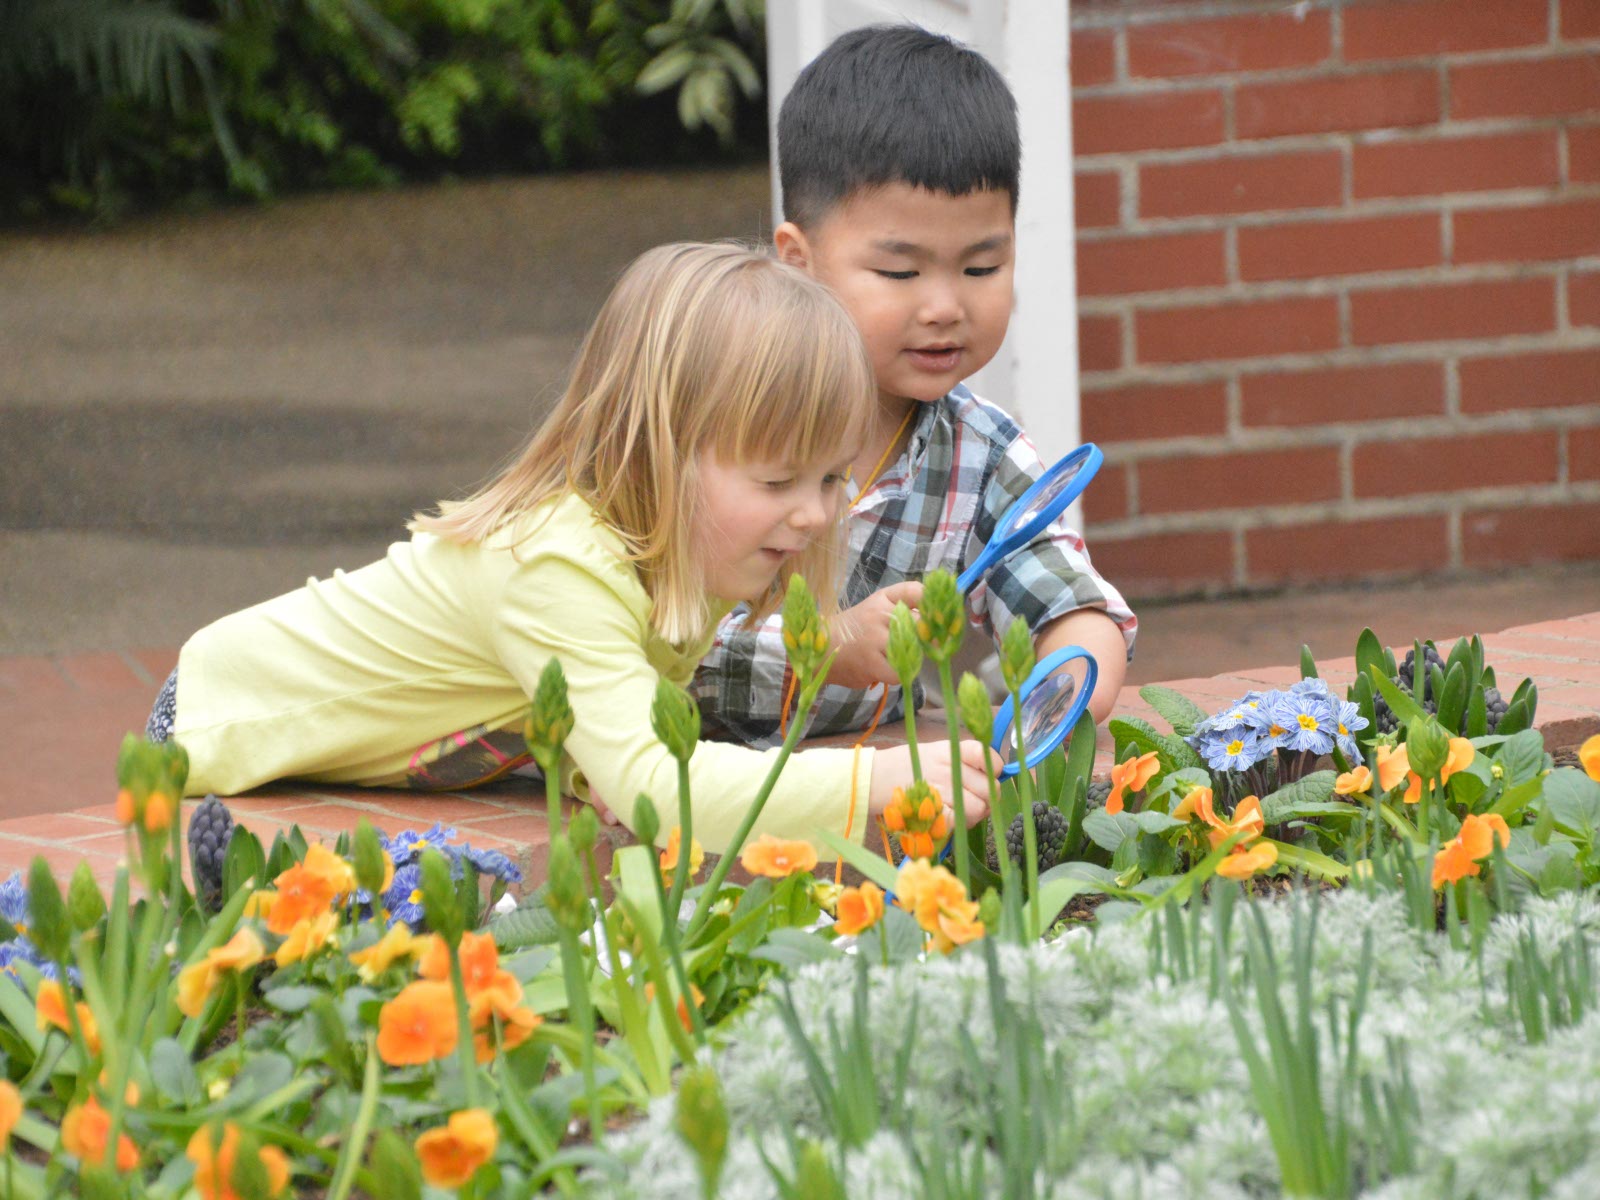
(899, 156)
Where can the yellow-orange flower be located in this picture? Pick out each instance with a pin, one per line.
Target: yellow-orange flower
(1129, 777)
(398, 942)
(1351, 782)
(776, 858)
(1198, 803)
(502, 1003)
(1589, 756)
(127, 809)
(669, 856)
(158, 810)
(1394, 764)
(86, 1132)
(197, 981)
(860, 908)
(1243, 863)
(957, 927)
(451, 1155)
(50, 1011)
(940, 904)
(214, 1163)
(305, 938)
(480, 960)
(1459, 857)
(259, 905)
(418, 1025)
(684, 1018)
(10, 1112)
(308, 888)
(918, 820)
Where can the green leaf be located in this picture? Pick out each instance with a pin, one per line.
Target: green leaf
(1453, 699)
(1369, 654)
(904, 934)
(1574, 801)
(873, 866)
(1080, 750)
(529, 924)
(172, 1071)
(1476, 723)
(1310, 861)
(1521, 757)
(1401, 702)
(1517, 718)
(1109, 832)
(291, 999)
(1182, 713)
(795, 948)
(1308, 664)
(1307, 796)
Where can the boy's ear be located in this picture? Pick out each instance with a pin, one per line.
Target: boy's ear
(790, 242)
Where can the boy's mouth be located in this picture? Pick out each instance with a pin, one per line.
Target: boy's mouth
(935, 358)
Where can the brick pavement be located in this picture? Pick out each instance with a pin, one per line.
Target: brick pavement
(69, 713)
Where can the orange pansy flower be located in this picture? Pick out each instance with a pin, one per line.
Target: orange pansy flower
(418, 1025)
(503, 1003)
(1198, 803)
(10, 1112)
(259, 905)
(1589, 756)
(1351, 782)
(85, 1132)
(308, 888)
(957, 927)
(197, 981)
(669, 856)
(305, 938)
(398, 942)
(450, 1156)
(1394, 764)
(480, 960)
(1459, 857)
(776, 858)
(50, 1011)
(1243, 863)
(1129, 777)
(860, 908)
(214, 1163)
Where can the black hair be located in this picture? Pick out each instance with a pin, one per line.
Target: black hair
(895, 104)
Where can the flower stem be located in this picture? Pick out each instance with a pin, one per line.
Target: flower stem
(464, 1048)
(344, 1175)
(680, 874)
(958, 799)
(1030, 835)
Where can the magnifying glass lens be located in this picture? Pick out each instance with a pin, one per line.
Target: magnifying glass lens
(1047, 706)
(1058, 483)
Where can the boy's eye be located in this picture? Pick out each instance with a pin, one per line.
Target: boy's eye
(896, 274)
(979, 272)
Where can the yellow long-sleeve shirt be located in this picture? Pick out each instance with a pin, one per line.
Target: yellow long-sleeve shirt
(357, 678)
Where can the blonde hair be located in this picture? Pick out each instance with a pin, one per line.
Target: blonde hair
(699, 347)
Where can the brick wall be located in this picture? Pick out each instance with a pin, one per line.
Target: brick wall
(1339, 286)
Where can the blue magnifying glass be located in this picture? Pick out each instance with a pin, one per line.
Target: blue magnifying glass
(1034, 510)
(1052, 702)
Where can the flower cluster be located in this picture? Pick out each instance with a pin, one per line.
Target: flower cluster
(916, 817)
(1459, 857)
(402, 899)
(419, 1025)
(940, 904)
(1306, 719)
(1251, 853)
(1394, 764)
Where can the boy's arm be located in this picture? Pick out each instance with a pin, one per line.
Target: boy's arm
(1097, 633)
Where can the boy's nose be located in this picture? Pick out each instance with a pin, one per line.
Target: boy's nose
(940, 304)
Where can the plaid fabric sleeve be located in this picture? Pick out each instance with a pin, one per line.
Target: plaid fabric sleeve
(742, 682)
(1050, 576)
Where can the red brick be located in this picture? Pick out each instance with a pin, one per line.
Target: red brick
(1096, 198)
(1414, 466)
(1257, 42)
(1099, 343)
(36, 677)
(1201, 333)
(1364, 393)
(1369, 100)
(1240, 184)
(1434, 166)
(1147, 121)
(1583, 151)
(159, 663)
(1583, 298)
(1543, 87)
(1107, 500)
(1166, 563)
(1550, 533)
(1452, 310)
(1154, 410)
(1328, 550)
(1308, 249)
(1580, 19)
(101, 672)
(1551, 380)
(1528, 232)
(1583, 453)
(1094, 57)
(1239, 479)
(1417, 30)
(1150, 263)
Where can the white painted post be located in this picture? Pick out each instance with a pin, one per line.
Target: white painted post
(1035, 374)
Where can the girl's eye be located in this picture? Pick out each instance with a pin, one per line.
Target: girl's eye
(778, 485)
(980, 272)
(832, 480)
(896, 274)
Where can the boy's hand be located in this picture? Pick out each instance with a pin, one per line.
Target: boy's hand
(861, 635)
(891, 768)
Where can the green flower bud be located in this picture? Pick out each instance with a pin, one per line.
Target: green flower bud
(85, 904)
(702, 1122)
(568, 902)
(989, 908)
(1427, 747)
(805, 634)
(943, 616)
(550, 718)
(370, 861)
(1016, 654)
(249, 1175)
(814, 1175)
(175, 766)
(584, 830)
(905, 650)
(675, 717)
(394, 1167)
(439, 903)
(646, 821)
(977, 714)
(50, 930)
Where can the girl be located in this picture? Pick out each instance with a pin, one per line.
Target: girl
(694, 461)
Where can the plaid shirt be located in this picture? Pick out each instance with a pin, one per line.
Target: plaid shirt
(936, 506)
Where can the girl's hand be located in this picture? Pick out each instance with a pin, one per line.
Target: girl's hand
(861, 635)
(891, 768)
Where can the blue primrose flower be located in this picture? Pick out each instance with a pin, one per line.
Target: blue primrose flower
(1348, 722)
(14, 900)
(403, 900)
(407, 845)
(1307, 718)
(1235, 749)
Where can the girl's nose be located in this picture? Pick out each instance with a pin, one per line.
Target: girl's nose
(810, 513)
